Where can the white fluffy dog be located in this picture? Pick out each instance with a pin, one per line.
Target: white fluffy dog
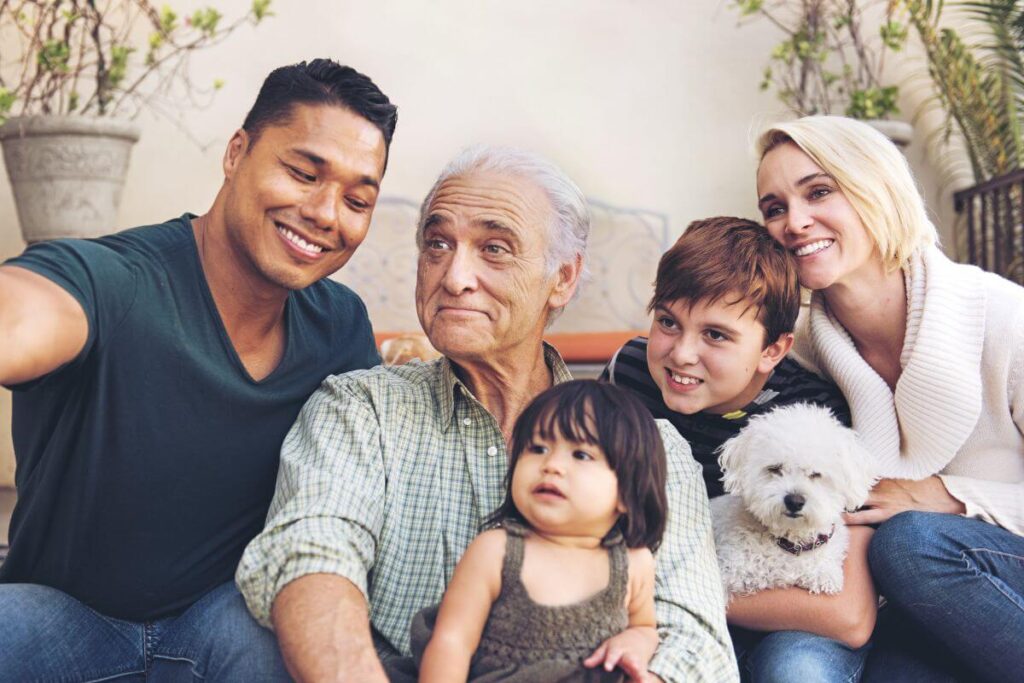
(791, 472)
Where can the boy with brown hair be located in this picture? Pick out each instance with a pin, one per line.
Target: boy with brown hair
(725, 303)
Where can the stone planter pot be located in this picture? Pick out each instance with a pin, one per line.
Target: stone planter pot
(900, 132)
(67, 173)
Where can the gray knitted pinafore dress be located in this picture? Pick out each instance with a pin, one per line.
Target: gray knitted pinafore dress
(525, 641)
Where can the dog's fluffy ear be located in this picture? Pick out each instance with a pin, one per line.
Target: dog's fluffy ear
(857, 466)
(729, 454)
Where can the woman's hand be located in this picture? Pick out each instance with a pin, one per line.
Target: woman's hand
(630, 650)
(893, 496)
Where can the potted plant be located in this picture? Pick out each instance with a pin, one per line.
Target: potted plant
(975, 80)
(831, 59)
(978, 86)
(72, 76)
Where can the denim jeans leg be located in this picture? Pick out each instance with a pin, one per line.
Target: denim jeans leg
(796, 656)
(216, 639)
(960, 580)
(46, 635)
(903, 652)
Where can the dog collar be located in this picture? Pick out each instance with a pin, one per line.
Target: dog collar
(791, 547)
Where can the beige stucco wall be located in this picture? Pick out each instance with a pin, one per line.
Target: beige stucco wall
(646, 103)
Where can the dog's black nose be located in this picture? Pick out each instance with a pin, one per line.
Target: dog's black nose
(794, 502)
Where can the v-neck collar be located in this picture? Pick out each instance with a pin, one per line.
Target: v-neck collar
(218, 320)
(916, 430)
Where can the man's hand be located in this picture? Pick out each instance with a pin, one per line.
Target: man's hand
(893, 496)
(630, 650)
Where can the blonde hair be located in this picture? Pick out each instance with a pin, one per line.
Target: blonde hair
(871, 172)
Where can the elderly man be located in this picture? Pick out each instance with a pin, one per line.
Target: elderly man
(388, 473)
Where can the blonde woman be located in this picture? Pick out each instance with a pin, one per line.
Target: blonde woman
(930, 356)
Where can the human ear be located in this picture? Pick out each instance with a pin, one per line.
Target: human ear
(773, 354)
(238, 145)
(566, 280)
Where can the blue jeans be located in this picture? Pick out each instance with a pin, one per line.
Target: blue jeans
(956, 588)
(46, 635)
(795, 656)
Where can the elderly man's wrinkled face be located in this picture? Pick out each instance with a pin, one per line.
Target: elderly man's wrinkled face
(482, 286)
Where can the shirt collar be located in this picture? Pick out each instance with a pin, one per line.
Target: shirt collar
(449, 382)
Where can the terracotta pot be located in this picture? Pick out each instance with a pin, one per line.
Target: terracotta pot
(67, 173)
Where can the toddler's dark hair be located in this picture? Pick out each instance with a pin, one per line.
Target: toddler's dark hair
(588, 411)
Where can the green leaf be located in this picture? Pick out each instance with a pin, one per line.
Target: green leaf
(261, 9)
(894, 35)
(749, 7)
(118, 64)
(53, 56)
(168, 19)
(7, 100)
(206, 20)
(873, 103)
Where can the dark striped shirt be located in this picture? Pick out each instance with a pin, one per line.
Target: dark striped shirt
(789, 383)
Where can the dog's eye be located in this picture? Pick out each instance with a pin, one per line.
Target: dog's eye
(814, 475)
(774, 469)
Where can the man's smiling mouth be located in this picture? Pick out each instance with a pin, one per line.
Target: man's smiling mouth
(309, 248)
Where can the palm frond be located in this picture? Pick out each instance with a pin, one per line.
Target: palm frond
(979, 87)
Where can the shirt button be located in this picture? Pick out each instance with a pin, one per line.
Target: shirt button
(492, 450)
(466, 421)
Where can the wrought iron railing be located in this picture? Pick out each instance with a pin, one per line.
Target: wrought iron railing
(994, 224)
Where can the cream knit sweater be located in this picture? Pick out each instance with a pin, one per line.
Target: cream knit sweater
(958, 408)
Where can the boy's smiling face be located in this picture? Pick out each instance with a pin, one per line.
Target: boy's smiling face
(711, 356)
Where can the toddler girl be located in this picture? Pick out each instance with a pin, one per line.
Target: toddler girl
(563, 588)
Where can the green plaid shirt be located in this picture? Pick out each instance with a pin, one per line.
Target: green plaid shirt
(385, 479)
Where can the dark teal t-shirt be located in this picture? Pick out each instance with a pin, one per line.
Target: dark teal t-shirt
(146, 465)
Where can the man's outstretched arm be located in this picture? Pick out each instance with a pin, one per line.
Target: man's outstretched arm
(42, 326)
(323, 627)
(306, 574)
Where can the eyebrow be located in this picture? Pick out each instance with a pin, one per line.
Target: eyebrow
(318, 160)
(803, 181)
(497, 226)
(731, 331)
(722, 327)
(432, 220)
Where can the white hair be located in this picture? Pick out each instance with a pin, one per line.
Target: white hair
(570, 224)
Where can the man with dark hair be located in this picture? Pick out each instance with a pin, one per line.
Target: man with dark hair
(323, 82)
(155, 373)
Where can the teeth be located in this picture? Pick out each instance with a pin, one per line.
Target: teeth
(298, 241)
(681, 379)
(813, 247)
